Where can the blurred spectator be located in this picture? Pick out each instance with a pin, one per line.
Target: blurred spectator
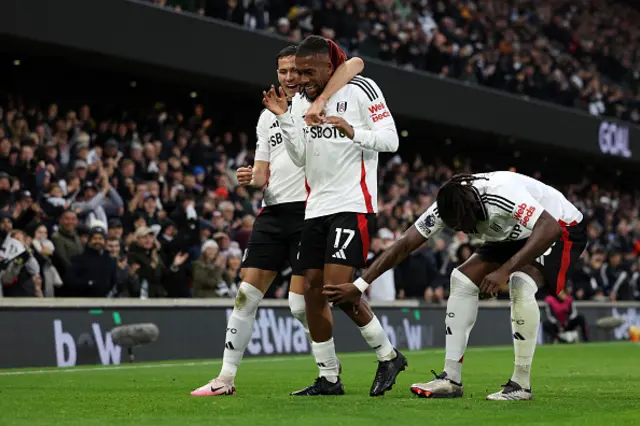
(43, 250)
(67, 243)
(92, 273)
(19, 270)
(153, 274)
(563, 318)
(384, 287)
(208, 272)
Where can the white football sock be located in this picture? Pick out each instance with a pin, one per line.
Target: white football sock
(525, 320)
(462, 311)
(326, 359)
(297, 306)
(240, 328)
(377, 338)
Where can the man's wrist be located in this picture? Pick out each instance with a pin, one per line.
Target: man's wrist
(361, 284)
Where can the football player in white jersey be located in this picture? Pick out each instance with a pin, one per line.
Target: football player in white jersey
(276, 231)
(532, 238)
(340, 157)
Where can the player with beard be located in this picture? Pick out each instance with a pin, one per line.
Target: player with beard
(340, 156)
(533, 237)
(276, 232)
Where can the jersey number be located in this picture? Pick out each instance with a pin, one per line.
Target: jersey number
(350, 233)
(276, 139)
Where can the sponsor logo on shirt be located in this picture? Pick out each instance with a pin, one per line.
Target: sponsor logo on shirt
(378, 112)
(515, 232)
(524, 213)
(320, 132)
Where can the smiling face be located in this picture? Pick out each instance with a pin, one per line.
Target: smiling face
(315, 72)
(288, 77)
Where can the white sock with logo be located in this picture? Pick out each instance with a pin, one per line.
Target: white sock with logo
(240, 328)
(525, 321)
(377, 338)
(326, 359)
(462, 311)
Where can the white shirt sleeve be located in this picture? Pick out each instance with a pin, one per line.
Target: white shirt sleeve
(379, 133)
(292, 127)
(263, 150)
(429, 224)
(517, 202)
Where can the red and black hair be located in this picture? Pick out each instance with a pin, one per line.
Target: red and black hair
(314, 45)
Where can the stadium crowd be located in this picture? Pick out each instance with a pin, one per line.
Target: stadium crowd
(159, 199)
(581, 54)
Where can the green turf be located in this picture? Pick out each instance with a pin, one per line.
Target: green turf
(586, 384)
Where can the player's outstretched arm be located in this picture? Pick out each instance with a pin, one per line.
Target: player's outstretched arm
(546, 231)
(315, 114)
(393, 256)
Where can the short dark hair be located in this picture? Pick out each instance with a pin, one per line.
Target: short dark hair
(458, 202)
(287, 51)
(313, 45)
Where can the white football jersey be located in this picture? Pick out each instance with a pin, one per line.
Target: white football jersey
(513, 204)
(286, 180)
(342, 174)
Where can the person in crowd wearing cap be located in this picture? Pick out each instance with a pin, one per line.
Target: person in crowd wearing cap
(153, 273)
(25, 210)
(96, 203)
(208, 272)
(116, 230)
(149, 209)
(66, 242)
(93, 272)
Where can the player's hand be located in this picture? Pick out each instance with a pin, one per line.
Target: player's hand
(342, 293)
(275, 101)
(244, 175)
(340, 124)
(494, 282)
(315, 114)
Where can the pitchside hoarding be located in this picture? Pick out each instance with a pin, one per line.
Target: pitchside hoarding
(44, 337)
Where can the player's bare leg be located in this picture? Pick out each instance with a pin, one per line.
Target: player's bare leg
(390, 361)
(462, 310)
(320, 321)
(525, 321)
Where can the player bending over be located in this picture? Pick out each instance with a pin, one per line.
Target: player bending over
(533, 235)
(340, 156)
(276, 231)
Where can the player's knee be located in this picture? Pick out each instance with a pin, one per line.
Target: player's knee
(248, 300)
(522, 286)
(462, 286)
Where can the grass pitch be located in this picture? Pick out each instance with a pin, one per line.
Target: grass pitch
(585, 384)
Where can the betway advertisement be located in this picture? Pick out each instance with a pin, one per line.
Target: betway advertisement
(36, 337)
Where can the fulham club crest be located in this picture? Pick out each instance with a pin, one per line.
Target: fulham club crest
(342, 107)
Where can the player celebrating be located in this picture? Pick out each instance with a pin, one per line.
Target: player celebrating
(276, 231)
(533, 235)
(340, 157)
